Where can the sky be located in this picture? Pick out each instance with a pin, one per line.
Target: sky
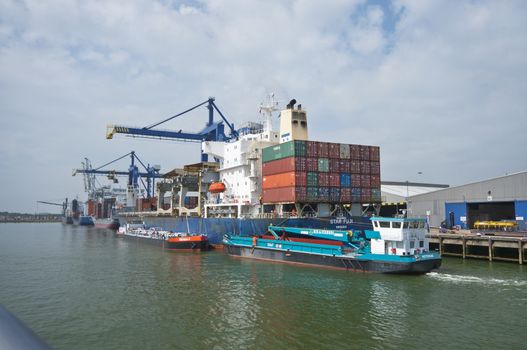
(440, 86)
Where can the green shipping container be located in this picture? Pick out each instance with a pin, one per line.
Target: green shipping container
(376, 194)
(312, 193)
(284, 150)
(312, 179)
(323, 165)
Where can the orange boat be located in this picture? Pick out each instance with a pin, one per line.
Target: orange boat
(217, 187)
(185, 242)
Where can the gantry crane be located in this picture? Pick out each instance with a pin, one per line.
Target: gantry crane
(133, 173)
(213, 131)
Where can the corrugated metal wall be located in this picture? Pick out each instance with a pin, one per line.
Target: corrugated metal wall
(506, 188)
(521, 214)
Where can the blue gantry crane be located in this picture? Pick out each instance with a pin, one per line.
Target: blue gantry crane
(213, 131)
(133, 173)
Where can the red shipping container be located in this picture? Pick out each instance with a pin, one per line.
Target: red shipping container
(375, 153)
(364, 167)
(344, 166)
(364, 152)
(322, 149)
(334, 179)
(375, 168)
(284, 165)
(323, 179)
(334, 166)
(355, 152)
(311, 149)
(283, 195)
(354, 167)
(311, 164)
(365, 195)
(375, 181)
(355, 180)
(345, 195)
(300, 179)
(365, 181)
(334, 150)
(91, 208)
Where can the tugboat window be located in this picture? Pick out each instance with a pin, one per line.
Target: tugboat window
(385, 224)
(406, 224)
(396, 224)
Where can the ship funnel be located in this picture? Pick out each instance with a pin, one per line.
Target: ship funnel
(293, 123)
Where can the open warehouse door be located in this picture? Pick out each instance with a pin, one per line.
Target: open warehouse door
(490, 211)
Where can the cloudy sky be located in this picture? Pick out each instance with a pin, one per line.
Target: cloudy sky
(441, 86)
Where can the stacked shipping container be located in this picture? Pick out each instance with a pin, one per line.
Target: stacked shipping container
(310, 171)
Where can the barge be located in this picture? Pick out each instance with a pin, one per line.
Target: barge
(395, 245)
(165, 239)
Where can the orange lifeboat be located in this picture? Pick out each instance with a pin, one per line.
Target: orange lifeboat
(217, 187)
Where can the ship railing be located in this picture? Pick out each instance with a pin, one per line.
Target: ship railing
(283, 215)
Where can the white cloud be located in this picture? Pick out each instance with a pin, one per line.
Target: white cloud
(439, 86)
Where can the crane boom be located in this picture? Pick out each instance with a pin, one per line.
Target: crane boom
(213, 131)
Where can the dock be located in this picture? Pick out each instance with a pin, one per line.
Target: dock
(491, 247)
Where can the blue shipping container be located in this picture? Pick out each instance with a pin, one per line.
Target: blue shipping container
(345, 180)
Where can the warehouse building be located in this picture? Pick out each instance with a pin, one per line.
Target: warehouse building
(497, 199)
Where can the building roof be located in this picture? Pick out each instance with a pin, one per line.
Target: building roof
(395, 191)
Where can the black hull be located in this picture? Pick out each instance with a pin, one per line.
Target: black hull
(343, 263)
(202, 246)
(194, 246)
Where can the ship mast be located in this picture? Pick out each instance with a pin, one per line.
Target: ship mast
(268, 110)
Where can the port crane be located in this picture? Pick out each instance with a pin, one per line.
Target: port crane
(133, 173)
(63, 205)
(213, 131)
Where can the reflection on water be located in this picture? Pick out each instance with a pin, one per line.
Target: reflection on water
(388, 311)
(84, 288)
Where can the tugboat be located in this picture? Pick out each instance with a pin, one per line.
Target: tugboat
(395, 245)
(165, 239)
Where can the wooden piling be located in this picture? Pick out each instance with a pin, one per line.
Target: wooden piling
(464, 247)
(520, 251)
(490, 249)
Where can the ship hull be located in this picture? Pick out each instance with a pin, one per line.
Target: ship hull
(107, 224)
(336, 262)
(216, 228)
(183, 244)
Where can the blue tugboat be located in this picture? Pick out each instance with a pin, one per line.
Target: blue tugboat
(395, 245)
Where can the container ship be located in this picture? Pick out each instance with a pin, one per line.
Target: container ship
(263, 177)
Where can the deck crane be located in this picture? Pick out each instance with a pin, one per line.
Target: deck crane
(213, 131)
(133, 173)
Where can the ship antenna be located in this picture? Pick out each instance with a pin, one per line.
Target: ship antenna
(268, 110)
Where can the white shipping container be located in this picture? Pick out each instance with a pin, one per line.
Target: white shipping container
(344, 151)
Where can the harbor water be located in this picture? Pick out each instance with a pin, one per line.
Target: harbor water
(83, 288)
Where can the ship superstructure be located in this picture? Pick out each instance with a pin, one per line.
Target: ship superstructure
(240, 168)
